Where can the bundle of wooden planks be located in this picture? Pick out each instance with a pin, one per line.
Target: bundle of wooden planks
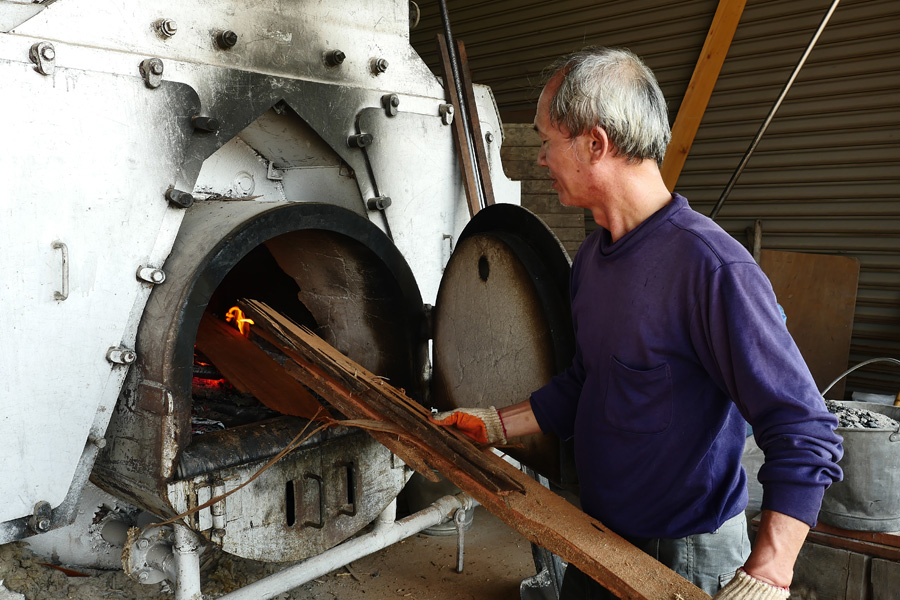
(403, 425)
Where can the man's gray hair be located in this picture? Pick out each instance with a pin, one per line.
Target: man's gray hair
(612, 88)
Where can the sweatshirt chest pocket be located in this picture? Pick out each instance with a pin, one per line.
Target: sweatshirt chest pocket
(639, 401)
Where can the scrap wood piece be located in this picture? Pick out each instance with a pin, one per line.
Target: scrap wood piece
(535, 512)
(250, 369)
(359, 394)
(241, 364)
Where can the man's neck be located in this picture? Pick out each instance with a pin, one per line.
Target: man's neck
(634, 194)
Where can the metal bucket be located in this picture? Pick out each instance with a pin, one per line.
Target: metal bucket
(868, 498)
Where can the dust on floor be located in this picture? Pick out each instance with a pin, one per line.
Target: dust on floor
(496, 560)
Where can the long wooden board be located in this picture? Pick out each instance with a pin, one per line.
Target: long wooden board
(537, 513)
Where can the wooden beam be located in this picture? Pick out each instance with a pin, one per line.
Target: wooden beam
(534, 511)
(700, 89)
(463, 150)
(481, 167)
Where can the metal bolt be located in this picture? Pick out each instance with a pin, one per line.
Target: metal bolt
(43, 54)
(151, 275)
(143, 544)
(379, 66)
(379, 203)
(333, 58)
(205, 124)
(360, 140)
(99, 442)
(489, 137)
(390, 103)
(446, 112)
(121, 356)
(43, 524)
(179, 198)
(168, 27)
(227, 39)
(144, 576)
(152, 70)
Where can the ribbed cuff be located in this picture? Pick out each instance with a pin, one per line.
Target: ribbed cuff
(496, 433)
(747, 586)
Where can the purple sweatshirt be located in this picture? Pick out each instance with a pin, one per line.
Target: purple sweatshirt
(678, 335)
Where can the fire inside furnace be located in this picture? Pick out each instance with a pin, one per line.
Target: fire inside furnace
(236, 316)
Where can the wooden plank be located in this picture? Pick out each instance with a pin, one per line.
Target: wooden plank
(481, 161)
(317, 362)
(818, 294)
(533, 510)
(700, 89)
(467, 168)
(250, 370)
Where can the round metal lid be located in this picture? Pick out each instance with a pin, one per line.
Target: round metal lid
(501, 322)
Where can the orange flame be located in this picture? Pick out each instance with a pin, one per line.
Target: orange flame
(236, 315)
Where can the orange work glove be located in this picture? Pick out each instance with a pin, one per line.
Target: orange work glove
(481, 424)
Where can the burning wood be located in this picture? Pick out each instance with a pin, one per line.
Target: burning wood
(403, 426)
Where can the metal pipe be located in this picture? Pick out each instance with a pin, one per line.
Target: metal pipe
(771, 115)
(187, 564)
(386, 532)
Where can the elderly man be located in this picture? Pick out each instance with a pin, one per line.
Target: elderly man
(678, 340)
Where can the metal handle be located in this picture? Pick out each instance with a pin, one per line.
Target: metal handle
(64, 293)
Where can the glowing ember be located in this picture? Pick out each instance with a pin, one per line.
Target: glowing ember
(236, 315)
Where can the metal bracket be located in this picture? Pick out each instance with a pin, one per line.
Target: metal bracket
(41, 518)
(446, 112)
(179, 199)
(273, 174)
(151, 275)
(63, 292)
(152, 70)
(459, 518)
(121, 355)
(43, 55)
(390, 102)
(360, 140)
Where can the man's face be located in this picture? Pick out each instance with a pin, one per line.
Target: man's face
(565, 157)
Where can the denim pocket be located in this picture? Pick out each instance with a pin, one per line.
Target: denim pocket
(639, 401)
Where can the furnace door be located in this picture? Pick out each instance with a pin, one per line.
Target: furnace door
(502, 325)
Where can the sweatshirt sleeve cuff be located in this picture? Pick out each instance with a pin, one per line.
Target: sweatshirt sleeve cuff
(799, 501)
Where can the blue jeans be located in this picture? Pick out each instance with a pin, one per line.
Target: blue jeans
(708, 560)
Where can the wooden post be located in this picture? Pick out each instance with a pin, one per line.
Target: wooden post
(700, 89)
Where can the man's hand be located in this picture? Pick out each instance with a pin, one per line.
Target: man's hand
(745, 587)
(481, 424)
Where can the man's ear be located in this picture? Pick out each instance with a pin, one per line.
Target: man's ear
(600, 145)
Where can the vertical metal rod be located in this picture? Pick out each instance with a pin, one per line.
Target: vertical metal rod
(457, 83)
(771, 115)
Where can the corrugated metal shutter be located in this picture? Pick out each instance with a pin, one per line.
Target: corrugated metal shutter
(510, 42)
(825, 177)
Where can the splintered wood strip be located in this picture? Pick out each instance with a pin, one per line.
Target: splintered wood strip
(242, 362)
(251, 370)
(361, 395)
(535, 512)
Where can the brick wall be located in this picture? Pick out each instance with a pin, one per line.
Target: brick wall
(519, 154)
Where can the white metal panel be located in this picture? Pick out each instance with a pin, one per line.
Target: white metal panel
(95, 183)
